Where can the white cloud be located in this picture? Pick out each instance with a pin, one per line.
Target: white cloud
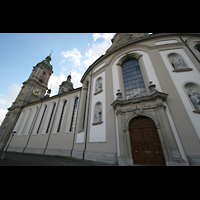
(74, 54)
(98, 48)
(2, 115)
(6, 101)
(13, 91)
(96, 36)
(54, 83)
(76, 78)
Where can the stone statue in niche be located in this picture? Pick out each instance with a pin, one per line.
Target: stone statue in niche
(177, 63)
(98, 86)
(195, 98)
(98, 115)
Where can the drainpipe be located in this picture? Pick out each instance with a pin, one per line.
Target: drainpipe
(189, 47)
(79, 100)
(34, 120)
(86, 128)
(52, 126)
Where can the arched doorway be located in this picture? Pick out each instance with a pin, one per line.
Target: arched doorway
(145, 142)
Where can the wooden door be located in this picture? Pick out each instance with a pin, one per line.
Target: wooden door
(145, 142)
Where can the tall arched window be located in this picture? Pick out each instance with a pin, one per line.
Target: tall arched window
(62, 115)
(74, 115)
(133, 81)
(54, 105)
(45, 107)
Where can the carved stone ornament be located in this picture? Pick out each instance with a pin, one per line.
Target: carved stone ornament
(123, 38)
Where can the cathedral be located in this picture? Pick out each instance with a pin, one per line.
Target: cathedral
(139, 104)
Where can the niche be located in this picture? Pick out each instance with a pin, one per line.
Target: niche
(178, 63)
(98, 114)
(193, 92)
(98, 86)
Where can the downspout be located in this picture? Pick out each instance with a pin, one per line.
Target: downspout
(52, 126)
(188, 47)
(31, 129)
(79, 100)
(86, 128)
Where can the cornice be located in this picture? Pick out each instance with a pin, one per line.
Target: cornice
(135, 41)
(152, 97)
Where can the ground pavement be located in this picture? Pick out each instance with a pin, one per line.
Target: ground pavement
(25, 159)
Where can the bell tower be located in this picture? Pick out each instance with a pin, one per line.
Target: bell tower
(66, 86)
(32, 90)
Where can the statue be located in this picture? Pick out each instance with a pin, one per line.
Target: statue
(98, 86)
(177, 62)
(195, 98)
(98, 115)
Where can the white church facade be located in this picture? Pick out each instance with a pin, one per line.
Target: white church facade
(139, 104)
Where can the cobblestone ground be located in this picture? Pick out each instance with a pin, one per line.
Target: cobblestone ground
(24, 159)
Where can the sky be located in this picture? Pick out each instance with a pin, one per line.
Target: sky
(20, 52)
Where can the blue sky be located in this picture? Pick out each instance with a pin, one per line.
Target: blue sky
(19, 52)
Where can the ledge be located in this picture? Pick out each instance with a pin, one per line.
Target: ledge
(151, 97)
(98, 92)
(97, 123)
(198, 112)
(183, 70)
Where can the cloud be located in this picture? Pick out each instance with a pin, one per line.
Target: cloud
(2, 115)
(98, 48)
(55, 81)
(6, 100)
(76, 78)
(13, 91)
(74, 54)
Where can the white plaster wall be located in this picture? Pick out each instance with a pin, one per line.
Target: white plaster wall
(150, 72)
(21, 130)
(32, 117)
(99, 67)
(19, 121)
(80, 137)
(179, 79)
(98, 132)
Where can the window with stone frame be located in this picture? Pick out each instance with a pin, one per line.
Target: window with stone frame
(133, 80)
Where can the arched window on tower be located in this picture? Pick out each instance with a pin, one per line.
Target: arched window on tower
(74, 115)
(133, 81)
(62, 115)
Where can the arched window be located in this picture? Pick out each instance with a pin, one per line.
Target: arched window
(62, 115)
(133, 81)
(45, 107)
(54, 105)
(74, 115)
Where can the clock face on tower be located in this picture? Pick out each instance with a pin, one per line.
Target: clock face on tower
(36, 92)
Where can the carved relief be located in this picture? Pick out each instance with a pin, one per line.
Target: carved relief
(126, 37)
